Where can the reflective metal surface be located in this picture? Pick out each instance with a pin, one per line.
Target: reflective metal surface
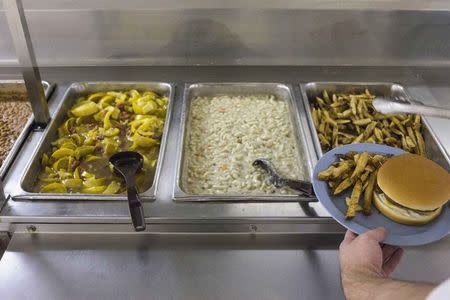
(288, 32)
(24, 188)
(70, 265)
(175, 266)
(18, 27)
(281, 91)
(434, 148)
(18, 86)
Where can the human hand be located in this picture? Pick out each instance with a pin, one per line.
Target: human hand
(363, 259)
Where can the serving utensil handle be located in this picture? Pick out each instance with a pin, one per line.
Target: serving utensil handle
(433, 111)
(391, 107)
(303, 186)
(136, 210)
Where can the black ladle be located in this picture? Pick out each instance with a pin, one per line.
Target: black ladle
(304, 187)
(127, 164)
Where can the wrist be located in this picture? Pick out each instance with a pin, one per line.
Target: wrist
(357, 285)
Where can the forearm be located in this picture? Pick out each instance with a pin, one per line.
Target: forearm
(398, 289)
(383, 288)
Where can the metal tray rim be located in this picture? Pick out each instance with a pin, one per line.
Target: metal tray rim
(181, 196)
(436, 139)
(48, 89)
(148, 195)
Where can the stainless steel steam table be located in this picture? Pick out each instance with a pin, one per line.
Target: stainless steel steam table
(88, 250)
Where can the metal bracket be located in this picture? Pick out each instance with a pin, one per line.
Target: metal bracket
(2, 195)
(24, 49)
(4, 241)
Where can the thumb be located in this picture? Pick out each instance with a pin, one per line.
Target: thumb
(349, 236)
(377, 234)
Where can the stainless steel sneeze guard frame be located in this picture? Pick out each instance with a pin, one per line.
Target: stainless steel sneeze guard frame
(434, 149)
(73, 92)
(13, 86)
(18, 27)
(282, 91)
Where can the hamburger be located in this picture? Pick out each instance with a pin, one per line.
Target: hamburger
(411, 189)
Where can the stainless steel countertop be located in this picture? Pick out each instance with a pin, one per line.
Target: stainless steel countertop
(178, 266)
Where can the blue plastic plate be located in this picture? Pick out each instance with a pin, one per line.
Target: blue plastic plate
(397, 234)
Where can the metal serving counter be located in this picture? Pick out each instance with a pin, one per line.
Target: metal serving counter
(185, 266)
(165, 210)
(87, 249)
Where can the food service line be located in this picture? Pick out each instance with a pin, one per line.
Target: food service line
(116, 210)
(291, 114)
(275, 251)
(110, 212)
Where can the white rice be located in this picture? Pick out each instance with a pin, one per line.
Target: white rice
(227, 133)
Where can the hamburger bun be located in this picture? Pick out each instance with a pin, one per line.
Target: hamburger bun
(414, 182)
(403, 215)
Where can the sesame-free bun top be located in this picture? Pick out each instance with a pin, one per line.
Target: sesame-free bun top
(415, 182)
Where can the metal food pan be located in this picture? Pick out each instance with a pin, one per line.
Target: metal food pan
(50, 134)
(282, 91)
(311, 90)
(18, 87)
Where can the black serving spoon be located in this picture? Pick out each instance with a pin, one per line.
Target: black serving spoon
(304, 187)
(127, 164)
